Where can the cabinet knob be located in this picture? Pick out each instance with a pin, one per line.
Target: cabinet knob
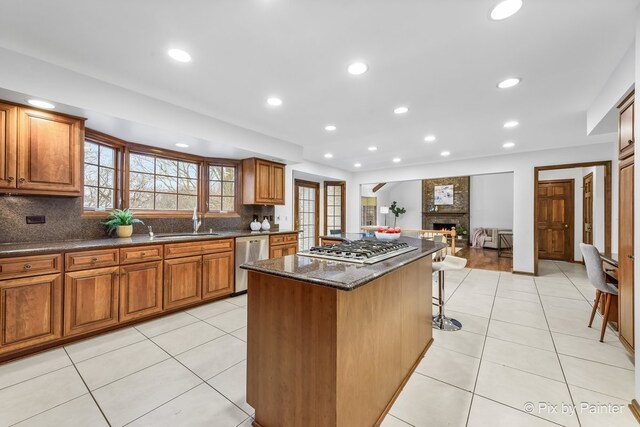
(630, 141)
(94, 259)
(21, 180)
(141, 253)
(10, 178)
(27, 266)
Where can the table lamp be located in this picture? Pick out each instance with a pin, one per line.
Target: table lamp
(384, 210)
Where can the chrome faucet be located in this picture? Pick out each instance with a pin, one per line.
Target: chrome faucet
(196, 224)
(150, 231)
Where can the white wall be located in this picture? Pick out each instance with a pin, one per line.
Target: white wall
(521, 164)
(491, 201)
(408, 194)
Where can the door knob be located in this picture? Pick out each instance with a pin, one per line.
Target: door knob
(631, 256)
(630, 141)
(566, 226)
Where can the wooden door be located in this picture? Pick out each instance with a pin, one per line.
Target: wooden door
(555, 219)
(218, 272)
(263, 182)
(277, 178)
(307, 212)
(8, 145)
(182, 281)
(30, 311)
(49, 152)
(140, 290)
(587, 209)
(626, 128)
(626, 253)
(90, 300)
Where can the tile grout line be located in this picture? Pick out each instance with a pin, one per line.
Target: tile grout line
(553, 341)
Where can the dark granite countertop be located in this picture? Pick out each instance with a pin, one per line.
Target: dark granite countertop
(338, 274)
(35, 248)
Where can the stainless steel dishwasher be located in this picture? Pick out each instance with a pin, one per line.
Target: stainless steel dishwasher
(252, 248)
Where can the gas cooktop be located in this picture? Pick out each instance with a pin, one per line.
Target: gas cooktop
(359, 251)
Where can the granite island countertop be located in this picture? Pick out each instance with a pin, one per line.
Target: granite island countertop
(39, 248)
(340, 274)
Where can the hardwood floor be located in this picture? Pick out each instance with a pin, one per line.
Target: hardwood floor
(485, 259)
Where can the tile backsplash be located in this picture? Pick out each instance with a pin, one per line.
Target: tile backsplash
(63, 221)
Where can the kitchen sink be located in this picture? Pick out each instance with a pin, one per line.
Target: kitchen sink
(181, 236)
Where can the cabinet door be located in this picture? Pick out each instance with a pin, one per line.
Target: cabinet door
(277, 251)
(291, 249)
(263, 182)
(90, 300)
(49, 157)
(217, 275)
(140, 290)
(625, 248)
(31, 311)
(182, 281)
(626, 128)
(8, 145)
(277, 184)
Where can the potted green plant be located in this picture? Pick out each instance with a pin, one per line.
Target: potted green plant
(396, 211)
(121, 220)
(461, 231)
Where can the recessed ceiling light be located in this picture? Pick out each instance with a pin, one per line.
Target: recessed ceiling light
(505, 9)
(181, 145)
(328, 156)
(372, 148)
(330, 128)
(357, 68)
(509, 144)
(397, 160)
(357, 165)
(510, 82)
(401, 110)
(429, 138)
(41, 104)
(511, 124)
(274, 102)
(179, 55)
(445, 153)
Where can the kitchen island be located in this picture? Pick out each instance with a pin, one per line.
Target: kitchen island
(332, 343)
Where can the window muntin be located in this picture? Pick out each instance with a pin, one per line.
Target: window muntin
(222, 188)
(99, 177)
(162, 184)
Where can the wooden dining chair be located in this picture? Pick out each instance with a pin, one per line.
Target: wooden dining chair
(597, 277)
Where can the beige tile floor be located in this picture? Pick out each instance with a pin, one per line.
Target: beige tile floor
(524, 340)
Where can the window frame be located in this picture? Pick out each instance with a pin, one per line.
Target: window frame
(121, 191)
(343, 198)
(99, 138)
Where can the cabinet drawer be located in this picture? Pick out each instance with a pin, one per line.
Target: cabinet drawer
(176, 250)
(140, 254)
(290, 238)
(282, 239)
(90, 259)
(30, 266)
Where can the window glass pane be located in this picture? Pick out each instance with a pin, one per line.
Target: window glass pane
(107, 176)
(187, 186)
(228, 203)
(105, 198)
(141, 163)
(90, 197)
(166, 167)
(107, 156)
(166, 202)
(187, 170)
(140, 181)
(215, 188)
(187, 202)
(140, 200)
(229, 174)
(166, 184)
(91, 175)
(215, 203)
(215, 173)
(90, 152)
(227, 189)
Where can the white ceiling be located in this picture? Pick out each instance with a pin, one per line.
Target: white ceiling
(441, 58)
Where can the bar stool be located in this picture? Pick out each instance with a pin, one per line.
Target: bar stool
(448, 263)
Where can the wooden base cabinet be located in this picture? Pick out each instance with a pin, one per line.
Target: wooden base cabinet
(31, 311)
(90, 300)
(140, 290)
(283, 244)
(626, 254)
(218, 275)
(182, 281)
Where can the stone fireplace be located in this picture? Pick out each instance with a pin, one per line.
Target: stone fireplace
(437, 217)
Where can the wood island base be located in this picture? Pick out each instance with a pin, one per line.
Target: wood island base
(321, 356)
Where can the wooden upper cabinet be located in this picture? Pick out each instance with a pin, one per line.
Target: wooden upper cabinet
(49, 153)
(8, 145)
(626, 254)
(262, 182)
(626, 128)
(31, 311)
